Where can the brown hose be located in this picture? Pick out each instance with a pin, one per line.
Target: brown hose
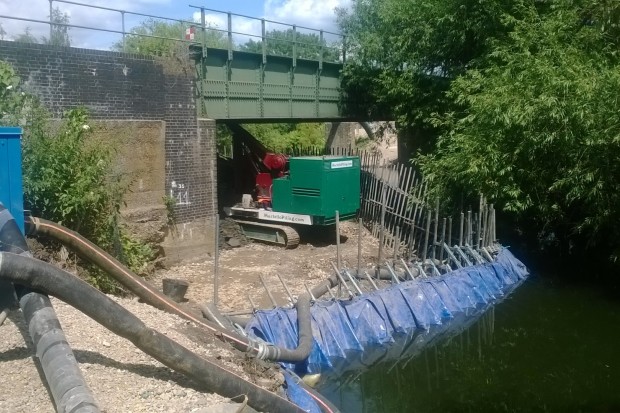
(152, 296)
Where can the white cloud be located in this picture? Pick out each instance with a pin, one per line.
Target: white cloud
(78, 15)
(244, 28)
(316, 14)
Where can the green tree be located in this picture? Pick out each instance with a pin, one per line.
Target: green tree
(26, 37)
(280, 43)
(59, 31)
(537, 129)
(12, 101)
(403, 55)
(155, 38)
(279, 137)
(59, 35)
(514, 99)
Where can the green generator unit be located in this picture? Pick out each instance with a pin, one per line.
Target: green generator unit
(318, 187)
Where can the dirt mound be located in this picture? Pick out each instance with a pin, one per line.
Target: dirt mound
(231, 235)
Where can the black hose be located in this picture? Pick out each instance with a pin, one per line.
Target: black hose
(62, 372)
(45, 277)
(152, 296)
(304, 327)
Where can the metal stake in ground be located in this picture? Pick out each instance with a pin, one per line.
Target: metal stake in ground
(461, 230)
(426, 234)
(382, 230)
(273, 301)
(338, 239)
(359, 247)
(216, 258)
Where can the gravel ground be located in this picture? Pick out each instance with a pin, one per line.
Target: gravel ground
(123, 378)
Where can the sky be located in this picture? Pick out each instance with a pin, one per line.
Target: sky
(310, 13)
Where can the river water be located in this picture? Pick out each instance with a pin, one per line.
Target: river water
(549, 347)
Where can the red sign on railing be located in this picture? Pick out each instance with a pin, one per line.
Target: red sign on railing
(189, 33)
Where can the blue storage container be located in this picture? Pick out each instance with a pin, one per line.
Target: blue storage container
(11, 189)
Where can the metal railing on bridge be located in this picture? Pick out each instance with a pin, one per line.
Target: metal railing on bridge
(301, 42)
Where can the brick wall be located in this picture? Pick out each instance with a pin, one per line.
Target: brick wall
(120, 86)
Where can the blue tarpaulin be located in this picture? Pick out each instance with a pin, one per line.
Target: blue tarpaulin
(401, 319)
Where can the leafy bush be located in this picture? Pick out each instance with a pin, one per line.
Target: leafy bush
(67, 179)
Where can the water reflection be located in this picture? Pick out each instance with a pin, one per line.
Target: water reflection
(548, 348)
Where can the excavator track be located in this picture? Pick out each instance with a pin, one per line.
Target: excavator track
(275, 234)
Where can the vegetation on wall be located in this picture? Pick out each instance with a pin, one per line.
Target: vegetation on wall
(67, 178)
(59, 33)
(517, 99)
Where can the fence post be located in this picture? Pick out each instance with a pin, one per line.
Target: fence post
(216, 258)
(51, 20)
(123, 30)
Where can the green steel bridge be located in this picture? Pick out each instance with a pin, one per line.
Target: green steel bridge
(237, 85)
(234, 84)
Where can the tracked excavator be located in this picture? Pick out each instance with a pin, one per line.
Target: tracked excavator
(286, 193)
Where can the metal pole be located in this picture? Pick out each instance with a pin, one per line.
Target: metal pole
(338, 240)
(288, 292)
(407, 270)
(428, 230)
(461, 230)
(216, 258)
(396, 243)
(443, 238)
(321, 40)
(123, 29)
(469, 234)
(51, 20)
(263, 40)
(369, 278)
(273, 301)
(350, 277)
(392, 273)
(359, 247)
(331, 294)
(230, 39)
(451, 256)
(342, 281)
(203, 28)
(479, 223)
(382, 230)
(309, 291)
(252, 303)
(435, 228)
(294, 46)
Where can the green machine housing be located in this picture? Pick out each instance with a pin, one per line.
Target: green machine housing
(319, 186)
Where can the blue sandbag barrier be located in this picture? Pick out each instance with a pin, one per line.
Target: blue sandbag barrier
(395, 322)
